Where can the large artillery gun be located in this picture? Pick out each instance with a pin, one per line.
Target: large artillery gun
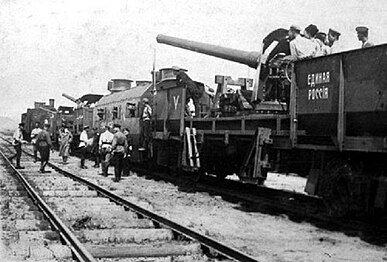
(250, 59)
(270, 90)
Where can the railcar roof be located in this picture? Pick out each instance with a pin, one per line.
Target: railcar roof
(90, 98)
(133, 94)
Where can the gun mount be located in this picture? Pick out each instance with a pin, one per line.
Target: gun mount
(250, 59)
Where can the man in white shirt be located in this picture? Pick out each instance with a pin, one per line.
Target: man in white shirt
(34, 135)
(310, 33)
(18, 140)
(105, 149)
(83, 141)
(300, 47)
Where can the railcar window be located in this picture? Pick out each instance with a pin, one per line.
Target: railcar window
(101, 113)
(168, 74)
(130, 110)
(115, 112)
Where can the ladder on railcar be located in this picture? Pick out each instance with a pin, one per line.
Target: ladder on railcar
(191, 156)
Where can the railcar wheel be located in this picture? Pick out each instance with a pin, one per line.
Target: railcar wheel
(336, 186)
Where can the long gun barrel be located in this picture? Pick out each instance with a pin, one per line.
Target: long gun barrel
(244, 57)
(71, 98)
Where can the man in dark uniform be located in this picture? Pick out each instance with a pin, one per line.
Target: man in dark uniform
(18, 140)
(146, 132)
(95, 148)
(44, 145)
(119, 147)
(362, 35)
(126, 165)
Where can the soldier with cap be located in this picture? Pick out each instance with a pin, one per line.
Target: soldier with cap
(310, 33)
(95, 147)
(105, 149)
(333, 41)
(119, 148)
(34, 134)
(65, 138)
(146, 124)
(44, 145)
(362, 35)
(300, 47)
(18, 140)
(322, 48)
(83, 142)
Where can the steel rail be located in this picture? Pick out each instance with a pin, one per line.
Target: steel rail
(75, 245)
(202, 239)
(208, 242)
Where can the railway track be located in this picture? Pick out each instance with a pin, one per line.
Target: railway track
(96, 224)
(295, 206)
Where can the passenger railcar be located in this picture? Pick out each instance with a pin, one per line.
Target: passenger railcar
(123, 106)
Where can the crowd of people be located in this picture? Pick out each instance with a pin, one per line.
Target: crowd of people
(312, 43)
(111, 147)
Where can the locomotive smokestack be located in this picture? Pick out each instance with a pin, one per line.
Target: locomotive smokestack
(51, 102)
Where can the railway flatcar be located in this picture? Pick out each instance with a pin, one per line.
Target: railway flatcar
(328, 115)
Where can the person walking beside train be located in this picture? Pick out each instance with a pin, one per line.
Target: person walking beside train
(105, 149)
(34, 135)
(95, 147)
(119, 148)
(126, 163)
(65, 138)
(44, 145)
(83, 142)
(146, 117)
(18, 140)
(362, 35)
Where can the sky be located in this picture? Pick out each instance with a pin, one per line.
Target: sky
(50, 47)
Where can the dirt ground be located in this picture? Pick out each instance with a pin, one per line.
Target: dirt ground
(266, 237)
